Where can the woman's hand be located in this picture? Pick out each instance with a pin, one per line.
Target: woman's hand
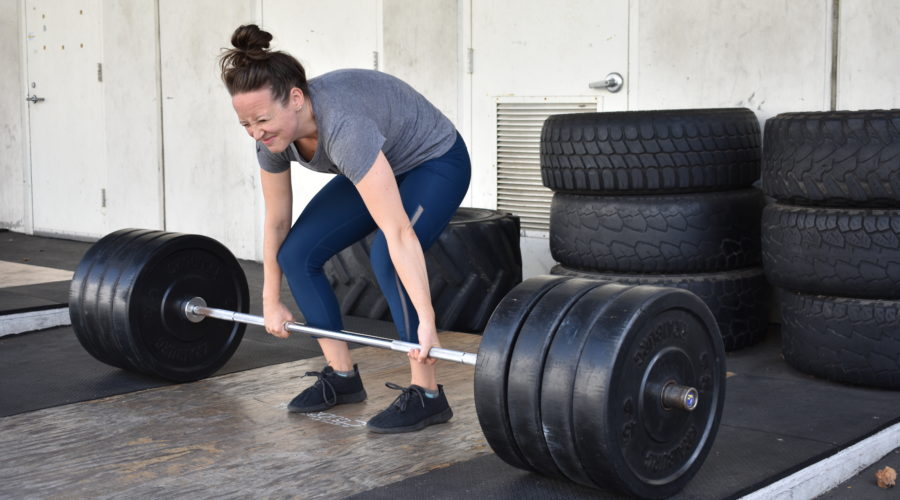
(427, 339)
(275, 315)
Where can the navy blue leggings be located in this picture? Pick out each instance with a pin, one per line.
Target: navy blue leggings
(337, 217)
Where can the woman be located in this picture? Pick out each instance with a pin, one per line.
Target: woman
(401, 168)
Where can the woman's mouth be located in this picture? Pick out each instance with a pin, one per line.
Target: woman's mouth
(268, 141)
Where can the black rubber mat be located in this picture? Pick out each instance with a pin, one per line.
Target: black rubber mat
(39, 251)
(50, 368)
(25, 298)
(776, 422)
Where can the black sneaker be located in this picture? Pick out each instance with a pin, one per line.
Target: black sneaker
(330, 389)
(411, 411)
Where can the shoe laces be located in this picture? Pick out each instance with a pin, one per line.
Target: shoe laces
(403, 399)
(325, 386)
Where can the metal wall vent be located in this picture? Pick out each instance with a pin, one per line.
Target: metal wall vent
(519, 186)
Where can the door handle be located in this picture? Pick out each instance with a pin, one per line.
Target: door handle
(613, 83)
(34, 98)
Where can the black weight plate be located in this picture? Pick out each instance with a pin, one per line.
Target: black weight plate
(523, 394)
(558, 378)
(651, 336)
(492, 368)
(98, 293)
(119, 263)
(83, 294)
(153, 293)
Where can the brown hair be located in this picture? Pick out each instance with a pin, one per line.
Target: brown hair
(250, 65)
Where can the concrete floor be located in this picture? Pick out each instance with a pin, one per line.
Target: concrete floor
(230, 436)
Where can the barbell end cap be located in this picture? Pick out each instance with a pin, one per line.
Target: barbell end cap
(690, 400)
(679, 396)
(190, 309)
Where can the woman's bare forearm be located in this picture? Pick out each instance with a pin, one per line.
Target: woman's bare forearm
(409, 262)
(274, 233)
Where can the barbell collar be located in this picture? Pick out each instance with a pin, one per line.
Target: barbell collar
(197, 308)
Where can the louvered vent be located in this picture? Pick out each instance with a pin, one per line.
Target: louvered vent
(519, 186)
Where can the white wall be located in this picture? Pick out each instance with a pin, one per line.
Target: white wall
(770, 56)
(13, 145)
(132, 115)
(211, 174)
(421, 47)
(171, 130)
(868, 66)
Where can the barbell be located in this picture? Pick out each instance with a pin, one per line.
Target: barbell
(604, 384)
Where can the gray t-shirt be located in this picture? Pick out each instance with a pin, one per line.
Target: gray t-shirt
(361, 112)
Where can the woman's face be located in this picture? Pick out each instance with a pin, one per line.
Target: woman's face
(268, 120)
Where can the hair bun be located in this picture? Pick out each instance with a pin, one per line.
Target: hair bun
(251, 39)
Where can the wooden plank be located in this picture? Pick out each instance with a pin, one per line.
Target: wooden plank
(232, 436)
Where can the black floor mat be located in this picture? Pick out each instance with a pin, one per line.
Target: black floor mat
(50, 368)
(25, 298)
(776, 422)
(40, 251)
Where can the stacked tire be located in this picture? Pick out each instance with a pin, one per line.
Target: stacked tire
(475, 261)
(662, 198)
(831, 242)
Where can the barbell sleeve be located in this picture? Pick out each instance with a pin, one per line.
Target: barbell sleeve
(196, 309)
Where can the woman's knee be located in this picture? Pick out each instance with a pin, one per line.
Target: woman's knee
(296, 257)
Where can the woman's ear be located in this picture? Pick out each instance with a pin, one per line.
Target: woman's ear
(297, 99)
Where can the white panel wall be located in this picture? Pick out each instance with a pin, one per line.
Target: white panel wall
(325, 35)
(770, 56)
(13, 145)
(132, 108)
(211, 173)
(868, 66)
(421, 40)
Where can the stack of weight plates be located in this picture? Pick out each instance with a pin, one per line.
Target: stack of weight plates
(662, 198)
(831, 243)
(127, 298)
(570, 380)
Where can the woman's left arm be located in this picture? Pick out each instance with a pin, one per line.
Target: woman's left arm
(381, 195)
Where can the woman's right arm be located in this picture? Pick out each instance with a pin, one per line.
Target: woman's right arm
(278, 200)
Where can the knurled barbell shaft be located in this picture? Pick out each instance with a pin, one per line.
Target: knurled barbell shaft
(197, 308)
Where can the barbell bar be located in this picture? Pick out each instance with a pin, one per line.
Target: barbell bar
(604, 384)
(671, 394)
(196, 309)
